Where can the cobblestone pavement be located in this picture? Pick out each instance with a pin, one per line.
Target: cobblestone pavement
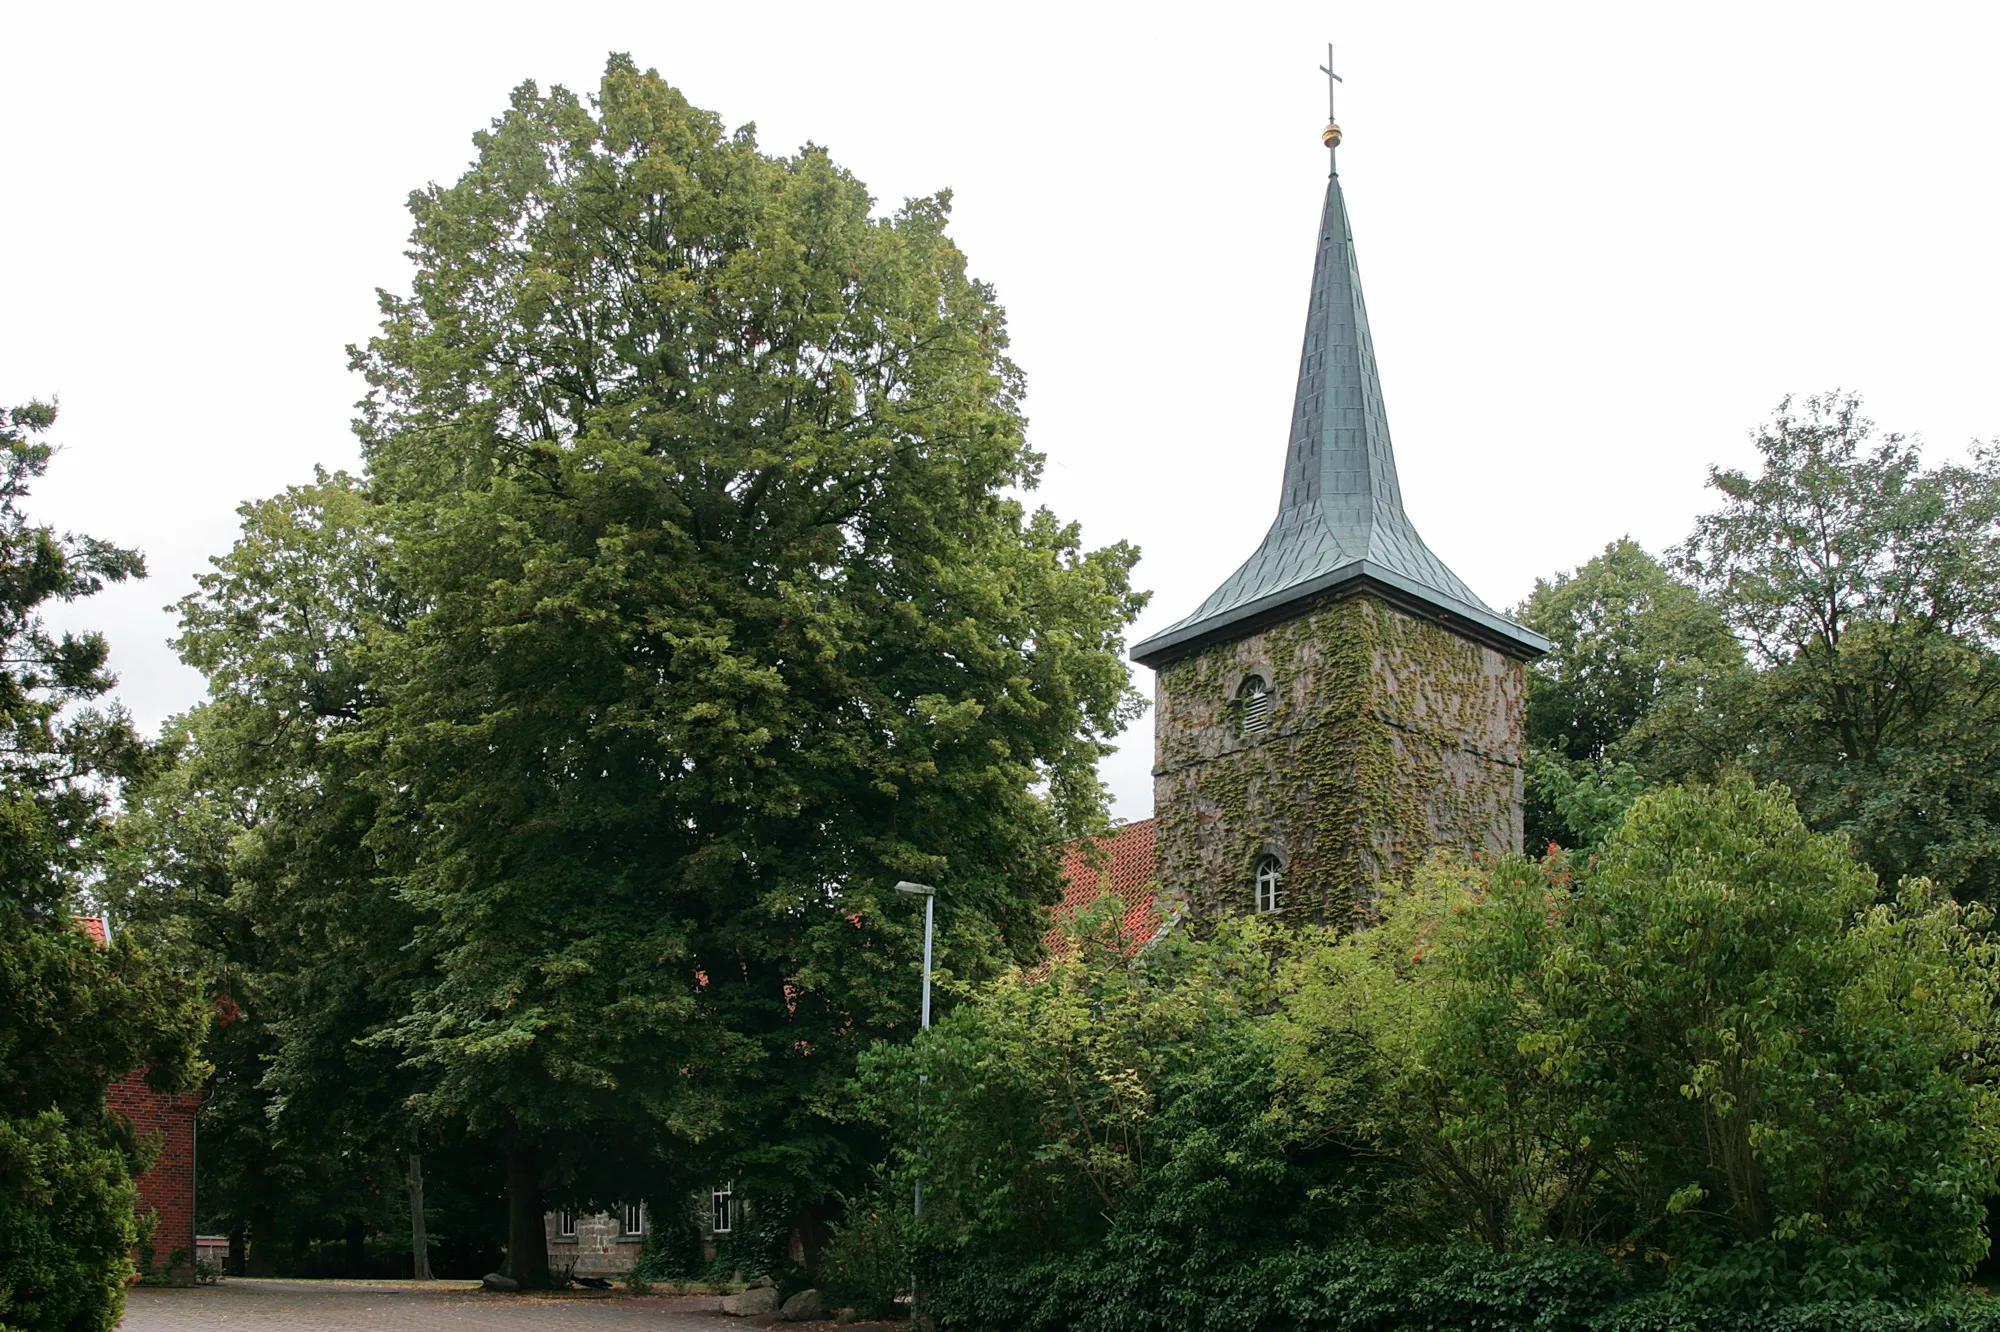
(339, 1306)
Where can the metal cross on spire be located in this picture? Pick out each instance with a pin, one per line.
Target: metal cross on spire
(1331, 79)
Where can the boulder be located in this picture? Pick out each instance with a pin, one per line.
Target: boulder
(764, 1281)
(846, 1316)
(746, 1303)
(494, 1281)
(807, 1306)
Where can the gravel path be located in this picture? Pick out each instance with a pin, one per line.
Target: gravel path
(342, 1306)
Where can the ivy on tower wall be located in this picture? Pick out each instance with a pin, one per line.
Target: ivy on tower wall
(1389, 736)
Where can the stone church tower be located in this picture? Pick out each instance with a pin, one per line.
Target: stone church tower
(1343, 703)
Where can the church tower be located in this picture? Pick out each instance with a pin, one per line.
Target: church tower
(1343, 703)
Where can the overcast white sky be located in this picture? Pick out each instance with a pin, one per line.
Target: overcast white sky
(1599, 241)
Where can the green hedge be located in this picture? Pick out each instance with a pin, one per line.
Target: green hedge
(66, 1227)
(1142, 1285)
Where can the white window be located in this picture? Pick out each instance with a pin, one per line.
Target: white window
(723, 1209)
(1255, 696)
(635, 1219)
(1270, 877)
(565, 1224)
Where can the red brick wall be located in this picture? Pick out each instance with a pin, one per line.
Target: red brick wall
(167, 1187)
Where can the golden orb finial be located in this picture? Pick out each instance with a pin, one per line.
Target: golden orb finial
(1330, 136)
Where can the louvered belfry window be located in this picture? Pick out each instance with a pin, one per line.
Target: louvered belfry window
(1255, 696)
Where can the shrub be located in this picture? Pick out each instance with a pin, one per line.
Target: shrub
(672, 1249)
(1706, 1076)
(1130, 1284)
(1713, 1050)
(66, 1226)
(866, 1263)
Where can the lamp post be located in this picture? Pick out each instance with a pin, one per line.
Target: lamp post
(929, 894)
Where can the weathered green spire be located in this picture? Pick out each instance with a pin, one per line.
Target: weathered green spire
(1340, 524)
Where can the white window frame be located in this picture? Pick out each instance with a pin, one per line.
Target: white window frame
(632, 1219)
(722, 1208)
(1268, 883)
(566, 1224)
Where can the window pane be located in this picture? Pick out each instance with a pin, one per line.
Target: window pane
(1269, 880)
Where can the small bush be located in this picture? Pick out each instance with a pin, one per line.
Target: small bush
(672, 1250)
(66, 1227)
(866, 1264)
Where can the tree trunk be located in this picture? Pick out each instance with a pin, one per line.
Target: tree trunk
(237, 1235)
(527, 1241)
(356, 1264)
(808, 1238)
(258, 1259)
(420, 1245)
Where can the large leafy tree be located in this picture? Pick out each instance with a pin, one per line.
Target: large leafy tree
(73, 1016)
(248, 856)
(1866, 588)
(700, 480)
(1643, 682)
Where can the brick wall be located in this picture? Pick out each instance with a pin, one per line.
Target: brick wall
(166, 1189)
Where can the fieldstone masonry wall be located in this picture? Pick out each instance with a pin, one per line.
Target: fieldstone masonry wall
(600, 1247)
(1390, 736)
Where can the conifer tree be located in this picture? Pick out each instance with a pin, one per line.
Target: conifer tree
(74, 1016)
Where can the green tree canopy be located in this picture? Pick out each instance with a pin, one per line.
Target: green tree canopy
(1866, 587)
(1640, 685)
(1710, 1048)
(688, 603)
(248, 858)
(74, 1016)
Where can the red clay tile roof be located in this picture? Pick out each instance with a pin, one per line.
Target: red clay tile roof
(93, 927)
(1127, 873)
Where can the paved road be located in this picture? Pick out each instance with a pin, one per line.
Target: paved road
(341, 1306)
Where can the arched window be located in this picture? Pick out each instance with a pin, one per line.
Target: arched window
(1270, 882)
(1255, 696)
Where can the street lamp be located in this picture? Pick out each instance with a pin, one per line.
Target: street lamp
(929, 894)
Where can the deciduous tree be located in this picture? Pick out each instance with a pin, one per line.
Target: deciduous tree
(1866, 587)
(702, 480)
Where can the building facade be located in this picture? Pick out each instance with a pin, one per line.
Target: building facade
(1343, 704)
(596, 1244)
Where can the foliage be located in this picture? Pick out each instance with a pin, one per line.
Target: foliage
(66, 1224)
(1057, 1104)
(554, 774)
(1711, 1051)
(1795, 1074)
(1638, 684)
(866, 1266)
(1867, 590)
(1131, 1284)
(672, 1249)
(1416, 1040)
(247, 858)
(73, 1016)
(699, 480)
(1357, 1286)
(1707, 1063)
